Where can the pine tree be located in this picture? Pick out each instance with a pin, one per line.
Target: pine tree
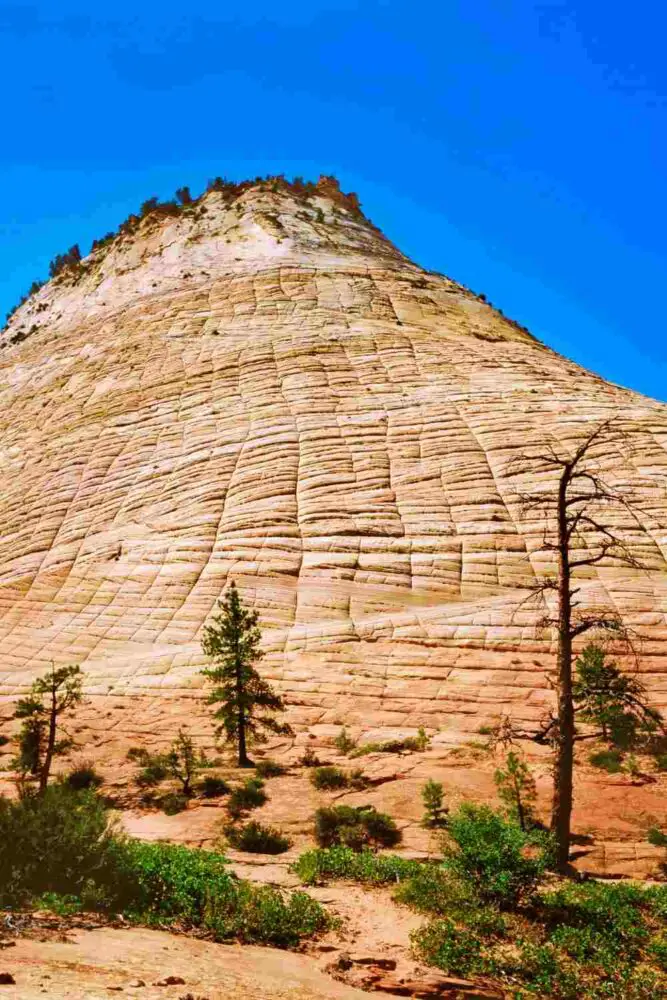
(50, 697)
(617, 703)
(245, 700)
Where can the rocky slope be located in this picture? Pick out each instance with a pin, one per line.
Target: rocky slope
(262, 387)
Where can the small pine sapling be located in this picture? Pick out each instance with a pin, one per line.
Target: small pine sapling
(516, 788)
(51, 697)
(435, 812)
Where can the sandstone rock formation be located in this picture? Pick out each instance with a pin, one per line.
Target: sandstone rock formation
(262, 387)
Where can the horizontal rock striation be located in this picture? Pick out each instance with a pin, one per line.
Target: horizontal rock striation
(263, 388)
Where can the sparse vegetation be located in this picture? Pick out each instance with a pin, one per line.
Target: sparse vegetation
(84, 777)
(269, 768)
(344, 742)
(329, 863)
(410, 743)
(181, 763)
(610, 761)
(328, 777)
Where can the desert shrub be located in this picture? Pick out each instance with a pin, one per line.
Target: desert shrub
(661, 761)
(269, 768)
(457, 951)
(435, 812)
(54, 842)
(4, 740)
(84, 777)
(173, 802)
(328, 777)
(418, 742)
(255, 838)
(355, 826)
(610, 761)
(344, 742)
(331, 863)
(492, 853)
(310, 758)
(262, 914)
(245, 797)
(211, 787)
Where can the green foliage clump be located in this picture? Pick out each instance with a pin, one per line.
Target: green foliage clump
(326, 864)
(435, 811)
(616, 702)
(84, 777)
(58, 850)
(255, 838)
(454, 949)
(414, 743)
(212, 787)
(243, 798)
(516, 788)
(173, 803)
(610, 761)
(269, 768)
(504, 862)
(328, 777)
(246, 702)
(52, 842)
(355, 827)
(344, 742)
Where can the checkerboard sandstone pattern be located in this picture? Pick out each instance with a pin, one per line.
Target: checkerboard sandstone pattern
(265, 389)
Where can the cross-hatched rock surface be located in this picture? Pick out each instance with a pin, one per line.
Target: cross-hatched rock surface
(263, 388)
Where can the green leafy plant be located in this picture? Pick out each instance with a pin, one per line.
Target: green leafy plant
(516, 788)
(84, 777)
(246, 703)
(435, 812)
(269, 768)
(355, 826)
(503, 861)
(607, 760)
(211, 787)
(243, 798)
(344, 742)
(326, 864)
(255, 838)
(328, 777)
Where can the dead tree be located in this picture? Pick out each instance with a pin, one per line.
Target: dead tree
(575, 507)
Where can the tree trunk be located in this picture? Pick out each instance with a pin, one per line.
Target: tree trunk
(244, 760)
(561, 812)
(50, 745)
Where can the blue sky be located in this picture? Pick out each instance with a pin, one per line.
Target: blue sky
(518, 147)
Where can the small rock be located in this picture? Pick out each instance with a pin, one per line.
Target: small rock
(170, 981)
(6, 979)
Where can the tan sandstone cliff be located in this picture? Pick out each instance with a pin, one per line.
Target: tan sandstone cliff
(262, 387)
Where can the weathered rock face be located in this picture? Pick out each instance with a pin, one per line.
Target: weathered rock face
(266, 389)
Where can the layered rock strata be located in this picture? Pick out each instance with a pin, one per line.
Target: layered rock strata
(263, 388)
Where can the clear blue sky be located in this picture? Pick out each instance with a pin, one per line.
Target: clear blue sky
(518, 147)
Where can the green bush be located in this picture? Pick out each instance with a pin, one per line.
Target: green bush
(331, 863)
(328, 777)
(255, 838)
(211, 787)
(269, 768)
(173, 802)
(344, 742)
(608, 760)
(418, 742)
(53, 842)
(661, 761)
(262, 914)
(84, 777)
(355, 827)
(245, 797)
(457, 951)
(492, 853)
